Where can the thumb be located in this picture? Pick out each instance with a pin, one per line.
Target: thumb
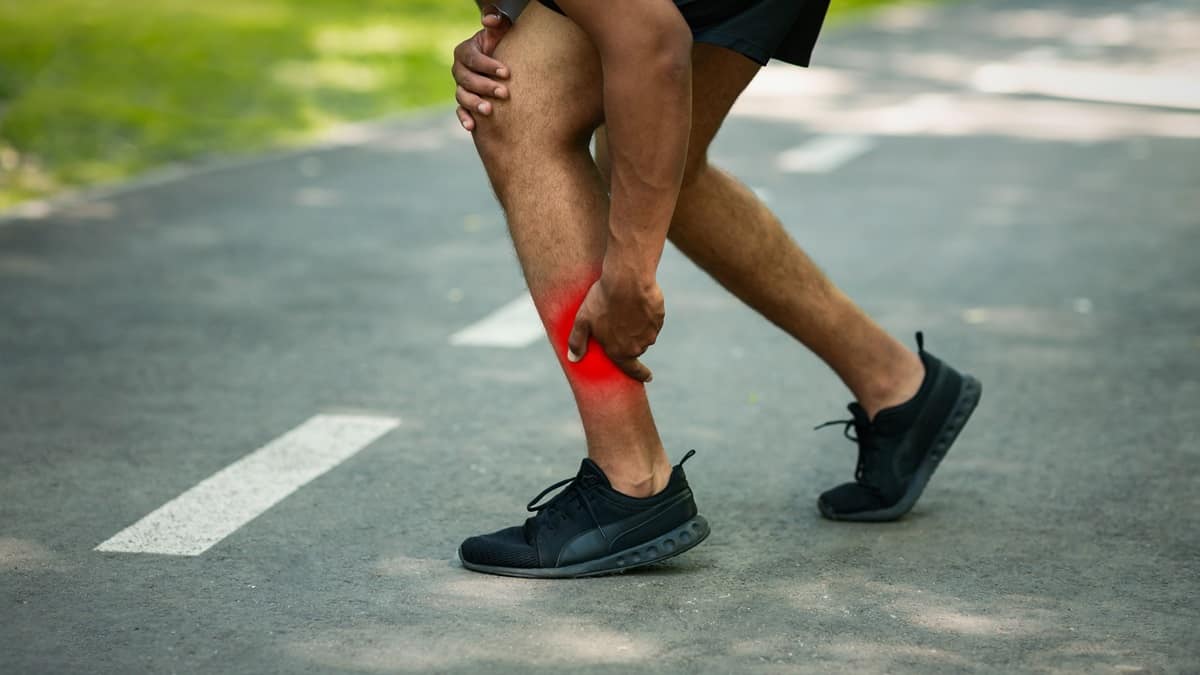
(577, 341)
(636, 369)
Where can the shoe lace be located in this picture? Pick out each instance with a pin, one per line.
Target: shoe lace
(867, 447)
(557, 507)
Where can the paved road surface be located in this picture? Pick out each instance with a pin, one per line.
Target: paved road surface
(1017, 178)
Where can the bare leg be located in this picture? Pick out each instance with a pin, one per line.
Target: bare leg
(534, 147)
(726, 230)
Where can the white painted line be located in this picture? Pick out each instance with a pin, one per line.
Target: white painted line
(216, 507)
(823, 154)
(514, 325)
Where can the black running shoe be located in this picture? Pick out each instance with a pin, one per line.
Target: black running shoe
(899, 450)
(590, 529)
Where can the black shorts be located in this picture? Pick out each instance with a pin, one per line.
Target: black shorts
(759, 29)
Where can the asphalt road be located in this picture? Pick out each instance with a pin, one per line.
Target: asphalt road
(1041, 227)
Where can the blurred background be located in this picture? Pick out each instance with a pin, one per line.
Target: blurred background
(94, 91)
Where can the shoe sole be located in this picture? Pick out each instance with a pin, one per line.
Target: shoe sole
(683, 538)
(968, 399)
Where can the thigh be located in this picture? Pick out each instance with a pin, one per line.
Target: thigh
(555, 84)
(719, 76)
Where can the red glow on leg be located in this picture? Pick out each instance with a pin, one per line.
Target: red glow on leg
(595, 369)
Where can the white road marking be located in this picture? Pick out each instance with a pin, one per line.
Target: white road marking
(216, 507)
(823, 154)
(514, 325)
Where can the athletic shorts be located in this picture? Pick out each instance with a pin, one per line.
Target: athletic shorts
(759, 29)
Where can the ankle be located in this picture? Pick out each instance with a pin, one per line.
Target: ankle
(637, 480)
(896, 386)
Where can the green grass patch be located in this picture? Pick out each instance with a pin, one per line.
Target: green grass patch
(98, 90)
(848, 10)
(95, 90)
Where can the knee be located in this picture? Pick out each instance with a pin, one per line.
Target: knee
(695, 182)
(515, 136)
(495, 137)
(694, 171)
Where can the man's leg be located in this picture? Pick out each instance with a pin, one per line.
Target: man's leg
(725, 229)
(535, 149)
(911, 407)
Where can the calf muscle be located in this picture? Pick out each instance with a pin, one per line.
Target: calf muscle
(534, 148)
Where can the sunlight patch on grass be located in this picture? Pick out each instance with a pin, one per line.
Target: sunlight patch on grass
(97, 90)
(375, 39)
(328, 74)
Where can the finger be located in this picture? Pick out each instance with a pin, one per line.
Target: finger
(483, 64)
(497, 24)
(489, 41)
(470, 60)
(465, 119)
(480, 85)
(472, 102)
(636, 369)
(577, 340)
(492, 35)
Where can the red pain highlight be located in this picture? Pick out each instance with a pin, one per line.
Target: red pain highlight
(595, 368)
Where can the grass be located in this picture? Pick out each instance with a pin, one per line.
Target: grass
(98, 90)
